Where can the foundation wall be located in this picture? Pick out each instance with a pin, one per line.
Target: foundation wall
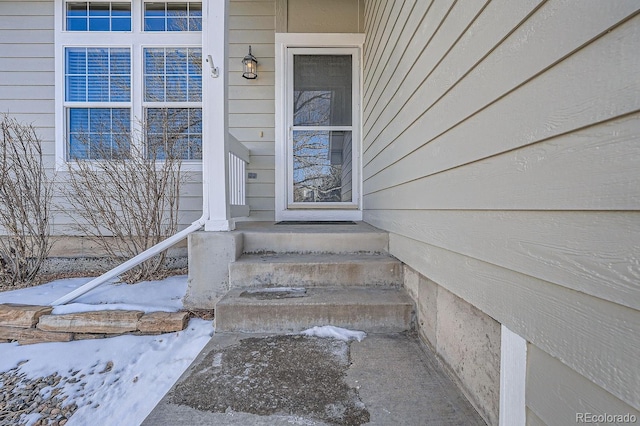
(466, 340)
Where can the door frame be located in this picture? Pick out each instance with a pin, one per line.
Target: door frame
(325, 211)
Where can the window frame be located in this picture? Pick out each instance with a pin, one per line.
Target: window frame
(135, 40)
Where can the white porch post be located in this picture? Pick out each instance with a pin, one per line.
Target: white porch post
(215, 126)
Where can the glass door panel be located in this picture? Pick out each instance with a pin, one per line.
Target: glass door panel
(321, 166)
(321, 120)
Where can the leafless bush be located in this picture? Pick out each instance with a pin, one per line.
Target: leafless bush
(25, 200)
(126, 201)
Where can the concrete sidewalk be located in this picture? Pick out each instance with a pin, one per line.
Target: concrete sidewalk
(386, 379)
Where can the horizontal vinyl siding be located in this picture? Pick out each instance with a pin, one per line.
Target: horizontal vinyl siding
(251, 102)
(501, 152)
(27, 70)
(27, 62)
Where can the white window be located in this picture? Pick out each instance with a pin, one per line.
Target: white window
(128, 73)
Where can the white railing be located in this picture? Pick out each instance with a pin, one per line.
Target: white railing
(238, 160)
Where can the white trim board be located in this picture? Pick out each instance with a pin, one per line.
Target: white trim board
(513, 375)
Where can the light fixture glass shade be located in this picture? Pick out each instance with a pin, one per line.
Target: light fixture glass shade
(250, 66)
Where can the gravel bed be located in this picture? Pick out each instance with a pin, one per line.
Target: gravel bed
(24, 400)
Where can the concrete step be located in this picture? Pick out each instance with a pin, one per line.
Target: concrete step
(288, 310)
(304, 270)
(358, 238)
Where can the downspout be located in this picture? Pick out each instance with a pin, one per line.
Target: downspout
(145, 255)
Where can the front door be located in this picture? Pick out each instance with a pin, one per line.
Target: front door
(320, 142)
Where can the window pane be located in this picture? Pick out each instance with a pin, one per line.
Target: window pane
(195, 9)
(154, 24)
(173, 16)
(176, 9)
(79, 120)
(154, 89)
(76, 60)
(173, 74)
(176, 88)
(76, 9)
(76, 88)
(97, 61)
(195, 61)
(154, 10)
(195, 121)
(120, 9)
(177, 24)
(98, 16)
(121, 24)
(195, 13)
(176, 61)
(98, 89)
(98, 9)
(154, 61)
(76, 24)
(120, 62)
(322, 90)
(176, 131)
(99, 133)
(321, 166)
(90, 74)
(195, 89)
(78, 148)
(98, 24)
(120, 88)
(195, 24)
(195, 147)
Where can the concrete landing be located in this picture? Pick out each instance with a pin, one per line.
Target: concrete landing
(387, 379)
(381, 310)
(265, 237)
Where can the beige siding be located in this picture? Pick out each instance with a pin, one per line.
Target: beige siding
(501, 151)
(26, 65)
(251, 102)
(27, 77)
(327, 16)
(556, 393)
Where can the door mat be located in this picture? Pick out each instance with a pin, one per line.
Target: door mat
(316, 222)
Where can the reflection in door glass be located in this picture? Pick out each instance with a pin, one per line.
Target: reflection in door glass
(322, 166)
(322, 90)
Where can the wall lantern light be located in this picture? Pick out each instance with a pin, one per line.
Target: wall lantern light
(250, 66)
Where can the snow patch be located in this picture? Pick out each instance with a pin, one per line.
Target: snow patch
(120, 379)
(333, 332)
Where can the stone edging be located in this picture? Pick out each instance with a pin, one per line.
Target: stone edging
(29, 324)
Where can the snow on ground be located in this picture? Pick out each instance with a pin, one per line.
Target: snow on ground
(121, 378)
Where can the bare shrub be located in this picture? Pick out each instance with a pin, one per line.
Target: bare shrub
(125, 200)
(25, 203)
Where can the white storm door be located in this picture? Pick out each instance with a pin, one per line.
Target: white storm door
(321, 135)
